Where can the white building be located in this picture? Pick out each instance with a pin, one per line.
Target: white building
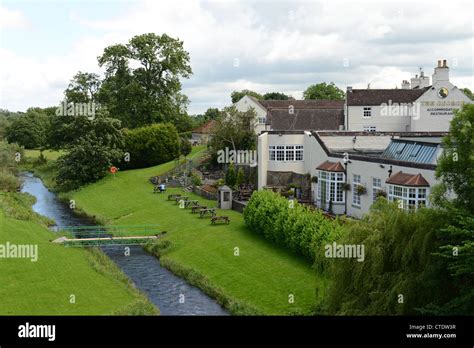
(417, 106)
(400, 165)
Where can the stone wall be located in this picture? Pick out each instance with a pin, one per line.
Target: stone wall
(208, 195)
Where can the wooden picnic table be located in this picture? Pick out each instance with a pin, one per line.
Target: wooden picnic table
(196, 208)
(181, 198)
(224, 219)
(189, 202)
(207, 211)
(173, 196)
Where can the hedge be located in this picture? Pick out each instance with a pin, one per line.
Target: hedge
(291, 225)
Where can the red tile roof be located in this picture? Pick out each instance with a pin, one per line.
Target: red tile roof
(331, 166)
(405, 179)
(205, 128)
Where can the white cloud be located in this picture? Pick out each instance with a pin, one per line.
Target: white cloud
(281, 46)
(12, 19)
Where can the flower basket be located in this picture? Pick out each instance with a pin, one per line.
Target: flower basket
(361, 190)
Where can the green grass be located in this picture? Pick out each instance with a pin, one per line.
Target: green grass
(49, 154)
(44, 287)
(263, 276)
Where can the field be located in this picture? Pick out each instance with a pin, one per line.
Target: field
(263, 276)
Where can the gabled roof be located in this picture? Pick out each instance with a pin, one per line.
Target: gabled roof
(301, 104)
(362, 97)
(329, 166)
(405, 179)
(411, 151)
(205, 128)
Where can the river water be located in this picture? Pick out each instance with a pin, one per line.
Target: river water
(171, 294)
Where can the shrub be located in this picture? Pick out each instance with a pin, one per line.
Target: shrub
(151, 145)
(8, 181)
(196, 180)
(230, 176)
(290, 224)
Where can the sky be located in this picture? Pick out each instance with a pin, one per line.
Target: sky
(264, 45)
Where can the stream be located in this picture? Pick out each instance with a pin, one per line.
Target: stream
(162, 287)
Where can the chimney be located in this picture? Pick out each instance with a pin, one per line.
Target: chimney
(441, 72)
(415, 82)
(405, 84)
(349, 89)
(424, 80)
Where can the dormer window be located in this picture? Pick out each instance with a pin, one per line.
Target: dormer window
(409, 190)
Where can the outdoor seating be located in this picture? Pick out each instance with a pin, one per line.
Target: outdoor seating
(197, 207)
(224, 219)
(205, 212)
(173, 196)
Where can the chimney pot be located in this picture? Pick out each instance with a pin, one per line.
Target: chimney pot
(439, 63)
(444, 63)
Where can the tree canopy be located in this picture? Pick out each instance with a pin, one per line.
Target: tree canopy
(237, 95)
(323, 91)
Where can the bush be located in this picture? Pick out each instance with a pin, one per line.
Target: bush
(151, 145)
(8, 181)
(196, 180)
(290, 224)
(230, 176)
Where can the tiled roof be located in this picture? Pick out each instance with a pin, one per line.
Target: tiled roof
(331, 166)
(205, 128)
(362, 97)
(302, 104)
(405, 179)
(411, 151)
(305, 119)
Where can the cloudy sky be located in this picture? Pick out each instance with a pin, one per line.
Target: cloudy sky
(260, 45)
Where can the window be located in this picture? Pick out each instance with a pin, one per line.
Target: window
(370, 129)
(376, 188)
(411, 198)
(330, 184)
(355, 195)
(272, 153)
(288, 153)
(299, 152)
(226, 196)
(280, 153)
(262, 120)
(367, 112)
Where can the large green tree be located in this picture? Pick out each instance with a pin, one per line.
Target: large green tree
(30, 129)
(276, 96)
(142, 79)
(323, 91)
(83, 88)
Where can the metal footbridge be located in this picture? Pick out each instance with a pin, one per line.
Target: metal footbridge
(88, 236)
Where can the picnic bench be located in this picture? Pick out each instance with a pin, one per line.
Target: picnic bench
(173, 196)
(189, 202)
(181, 198)
(157, 189)
(216, 219)
(197, 207)
(207, 211)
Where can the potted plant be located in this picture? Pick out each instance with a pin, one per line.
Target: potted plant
(361, 190)
(314, 179)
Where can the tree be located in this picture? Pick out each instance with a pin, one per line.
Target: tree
(150, 92)
(230, 176)
(468, 92)
(235, 129)
(29, 130)
(240, 177)
(91, 150)
(151, 145)
(237, 95)
(456, 165)
(185, 147)
(211, 114)
(83, 88)
(276, 96)
(323, 91)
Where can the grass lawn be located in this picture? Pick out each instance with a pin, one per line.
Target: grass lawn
(264, 275)
(49, 154)
(44, 287)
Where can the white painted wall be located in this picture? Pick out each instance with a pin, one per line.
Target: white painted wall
(383, 123)
(245, 103)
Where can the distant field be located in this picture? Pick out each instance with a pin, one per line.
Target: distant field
(49, 154)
